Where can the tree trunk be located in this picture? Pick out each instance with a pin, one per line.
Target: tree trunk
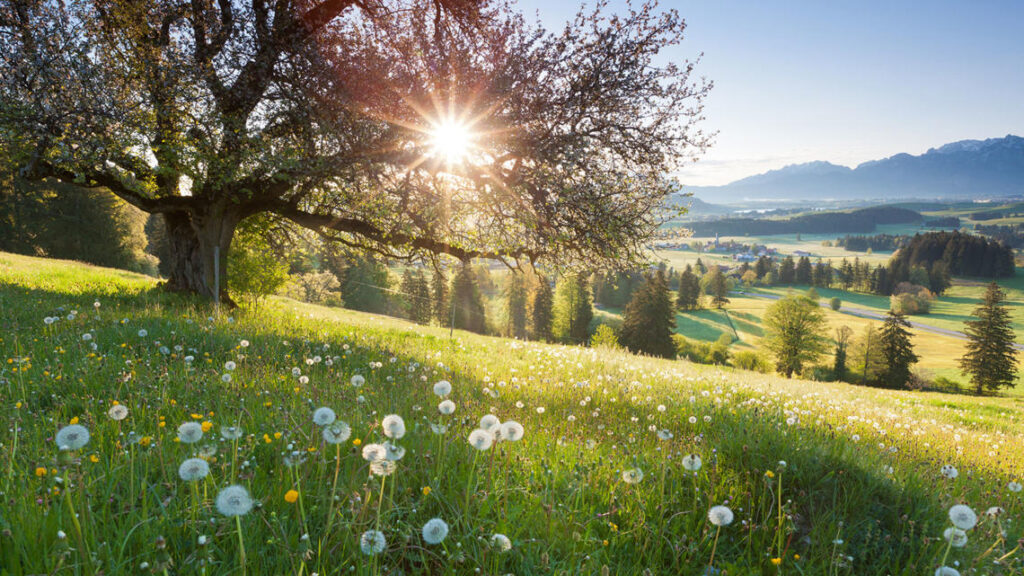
(199, 242)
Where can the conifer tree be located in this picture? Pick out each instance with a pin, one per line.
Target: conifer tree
(990, 359)
(649, 320)
(469, 306)
(688, 297)
(541, 314)
(440, 308)
(718, 288)
(787, 271)
(515, 305)
(897, 350)
(573, 309)
(839, 370)
(418, 298)
(803, 270)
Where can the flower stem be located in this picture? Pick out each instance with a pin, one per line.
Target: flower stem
(241, 544)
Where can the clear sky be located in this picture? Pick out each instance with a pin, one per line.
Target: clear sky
(844, 82)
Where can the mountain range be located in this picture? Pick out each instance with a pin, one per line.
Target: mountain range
(968, 169)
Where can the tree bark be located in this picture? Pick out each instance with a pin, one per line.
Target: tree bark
(199, 244)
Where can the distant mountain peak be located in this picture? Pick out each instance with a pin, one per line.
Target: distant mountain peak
(988, 168)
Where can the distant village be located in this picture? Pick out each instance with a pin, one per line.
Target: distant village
(739, 252)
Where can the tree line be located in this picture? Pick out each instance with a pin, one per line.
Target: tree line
(863, 220)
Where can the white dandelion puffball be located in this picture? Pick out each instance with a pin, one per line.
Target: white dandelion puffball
(512, 431)
(443, 388)
(230, 432)
(949, 471)
(229, 366)
(394, 426)
(446, 407)
(395, 452)
(481, 439)
(337, 432)
(435, 531)
(375, 452)
(691, 462)
(720, 515)
(963, 517)
(323, 416)
(143, 333)
(358, 381)
(946, 571)
(501, 542)
(234, 501)
(244, 343)
(956, 537)
(383, 468)
(994, 511)
(632, 476)
(489, 421)
(86, 337)
(372, 542)
(72, 437)
(1014, 487)
(190, 432)
(193, 469)
(118, 412)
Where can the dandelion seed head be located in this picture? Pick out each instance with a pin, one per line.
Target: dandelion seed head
(501, 543)
(949, 471)
(692, 462)
(963, 517)
(193, 469)
(72, 437)
(394, 426)
(190, 432)
(442, 388)
(512, 431)
(118, 412)
(956, 537)
(481, 439)
(720, 515)
(446, 407)
(234, 501)
(632, 476)
(372, 542)
(435, 531)
(337, 432)
(374, 452)
(358, 381)
(323, 416)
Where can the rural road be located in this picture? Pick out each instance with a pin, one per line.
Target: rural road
(863, 313)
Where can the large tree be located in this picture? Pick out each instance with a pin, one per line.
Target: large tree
(573, 309)
(795, 333)
(991, 358)
(349, 118)
(897, 350)
(649, 319)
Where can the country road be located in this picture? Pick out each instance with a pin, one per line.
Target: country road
(863, 313)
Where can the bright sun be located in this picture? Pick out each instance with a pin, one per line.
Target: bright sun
(451, 141)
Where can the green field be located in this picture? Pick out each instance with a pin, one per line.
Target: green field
(860, 490)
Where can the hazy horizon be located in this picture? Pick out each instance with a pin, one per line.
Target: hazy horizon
(798, 82)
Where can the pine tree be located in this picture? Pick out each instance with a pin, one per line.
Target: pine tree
(440, 308)
(867, 355)
(469, 306)
(897, 350)
(541, 310)
(573, 309)
(839, 370)
(991, 358)
(787, 271)
(688, 297)
(649, 320)
(795, 333)
(420, 301)
(803, 270)
(718, 288)
(515, 305)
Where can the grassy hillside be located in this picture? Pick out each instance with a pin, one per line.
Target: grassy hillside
(821, 478)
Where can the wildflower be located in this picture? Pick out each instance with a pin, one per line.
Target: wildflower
(61, 535)
(395, 452)
(426, 490)
(720, 515)
(1014, 487)
(72, 437)
(375, 452)
(963, 517)
(291, 496)
(244, 343)
(946, 571)
(323, 416)
(190, 432)
(207, 426)
(358, 381)
(501, 542)
(394, 426)
(193, 469)
(446, 407)
(234, 501)
(956, 537)
(226, 378)
(481, 439)
(691, 463)
(143, 333)
(337, 432)
(230, 432)
(512, 431)
(41, 471)
(633, 476)
(118, 412)
(229, 365)
(438, 428)
(435, 531)
(664, 434)
(776, 561)
(383, 468)
(994, 511)
(489, 421)
(949, 471)
(372, 542)
(443, 388)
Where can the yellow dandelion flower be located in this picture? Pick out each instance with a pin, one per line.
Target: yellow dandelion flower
(426, 490)
(74, 420)
(776, 561)
(207, 426)
(291, 496)
(40, 471)
(94, 458)
(357, 442)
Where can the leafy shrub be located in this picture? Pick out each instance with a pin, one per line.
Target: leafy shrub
(835, 304)
(750, 360)
(604, 337)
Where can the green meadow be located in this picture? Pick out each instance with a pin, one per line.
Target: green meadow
(818, 478)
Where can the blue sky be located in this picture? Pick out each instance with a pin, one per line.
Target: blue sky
(844, 82)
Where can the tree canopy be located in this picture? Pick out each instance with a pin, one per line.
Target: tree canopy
(322, 114)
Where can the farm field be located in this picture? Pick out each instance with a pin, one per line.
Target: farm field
(815, 478)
